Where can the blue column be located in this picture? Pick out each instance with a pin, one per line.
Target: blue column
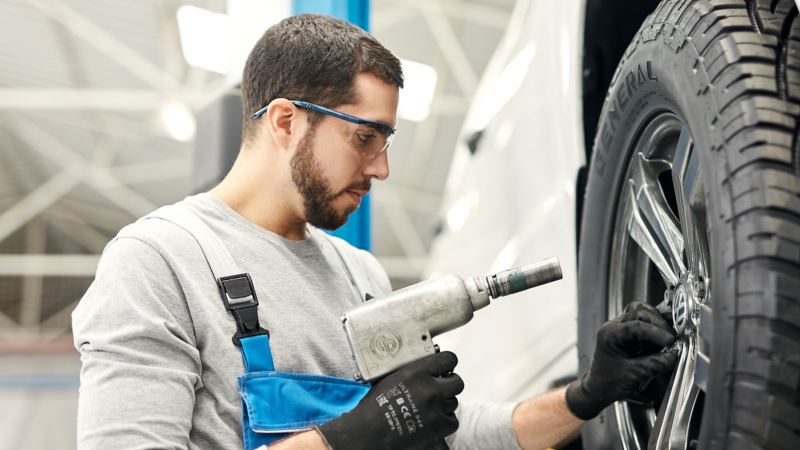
(357, 230)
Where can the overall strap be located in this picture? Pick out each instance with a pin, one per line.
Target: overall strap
(235, 287)
(340, 252)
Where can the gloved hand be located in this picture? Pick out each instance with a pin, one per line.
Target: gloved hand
(410, 407)
(627, 355)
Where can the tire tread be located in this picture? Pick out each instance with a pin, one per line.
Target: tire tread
(745, 59)
(750, 52)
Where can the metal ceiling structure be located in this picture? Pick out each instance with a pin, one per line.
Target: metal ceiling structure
(82, 152)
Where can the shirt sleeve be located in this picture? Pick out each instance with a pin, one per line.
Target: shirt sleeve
(140, 363)
(484, 425)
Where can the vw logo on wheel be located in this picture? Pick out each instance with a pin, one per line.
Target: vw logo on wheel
(680, 309)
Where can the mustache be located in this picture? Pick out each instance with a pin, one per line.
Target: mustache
(365, 185)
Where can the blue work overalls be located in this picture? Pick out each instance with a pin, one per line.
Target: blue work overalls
(274, 404)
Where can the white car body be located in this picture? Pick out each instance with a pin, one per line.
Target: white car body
(513, 202)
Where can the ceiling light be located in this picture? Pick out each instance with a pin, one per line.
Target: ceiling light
(250, 19)
(178, 121)
(206, 38)
(417, 93)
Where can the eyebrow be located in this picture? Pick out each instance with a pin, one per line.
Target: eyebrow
(374, 126)
(355, 103)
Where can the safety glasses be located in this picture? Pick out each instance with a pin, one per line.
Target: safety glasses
(367, 136)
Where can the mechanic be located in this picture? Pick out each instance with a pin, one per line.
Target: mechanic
(159, 369)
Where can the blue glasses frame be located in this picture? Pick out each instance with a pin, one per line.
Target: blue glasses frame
(381, 126)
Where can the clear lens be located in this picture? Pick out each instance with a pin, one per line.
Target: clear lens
(368, 140)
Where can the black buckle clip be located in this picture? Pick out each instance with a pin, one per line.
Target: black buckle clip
(240, 299)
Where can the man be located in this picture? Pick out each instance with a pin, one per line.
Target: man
(159, 368)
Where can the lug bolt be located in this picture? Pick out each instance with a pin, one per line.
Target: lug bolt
(699, 289)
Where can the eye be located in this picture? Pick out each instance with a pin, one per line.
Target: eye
(365, 138)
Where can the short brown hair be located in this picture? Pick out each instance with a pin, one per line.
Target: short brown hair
(314, 58)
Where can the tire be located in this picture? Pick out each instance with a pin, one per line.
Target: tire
(699, 134)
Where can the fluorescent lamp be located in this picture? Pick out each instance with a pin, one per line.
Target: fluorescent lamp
(250, 19)
(178, 121)
(206, 38)
(417, 93)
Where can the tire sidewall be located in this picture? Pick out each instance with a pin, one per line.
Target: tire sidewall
(671, 86)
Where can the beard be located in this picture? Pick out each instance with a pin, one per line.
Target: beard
(316, 190)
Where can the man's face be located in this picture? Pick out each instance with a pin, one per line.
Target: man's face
(315, 188)
(332, 176)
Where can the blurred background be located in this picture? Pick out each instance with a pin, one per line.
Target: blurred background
(111, 108)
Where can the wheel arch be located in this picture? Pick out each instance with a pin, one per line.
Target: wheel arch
(606, 34)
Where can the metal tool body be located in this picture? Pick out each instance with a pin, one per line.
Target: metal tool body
(387, 333)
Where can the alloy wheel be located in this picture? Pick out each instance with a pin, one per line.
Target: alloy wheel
(660, 256)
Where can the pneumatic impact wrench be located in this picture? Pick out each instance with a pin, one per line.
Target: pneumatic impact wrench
(388, 333)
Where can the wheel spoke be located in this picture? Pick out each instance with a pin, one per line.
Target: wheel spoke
(652, 225)
(663, 211)
(704, 336)
(687, 182)
(671, 429)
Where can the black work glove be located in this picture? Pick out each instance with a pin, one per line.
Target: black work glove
(627, 355)
(410, 407)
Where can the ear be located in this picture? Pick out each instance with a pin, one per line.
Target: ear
(282, 120)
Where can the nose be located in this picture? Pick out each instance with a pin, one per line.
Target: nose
(377, 167)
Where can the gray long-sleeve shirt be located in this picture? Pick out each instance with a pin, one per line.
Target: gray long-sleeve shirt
(159, 368)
